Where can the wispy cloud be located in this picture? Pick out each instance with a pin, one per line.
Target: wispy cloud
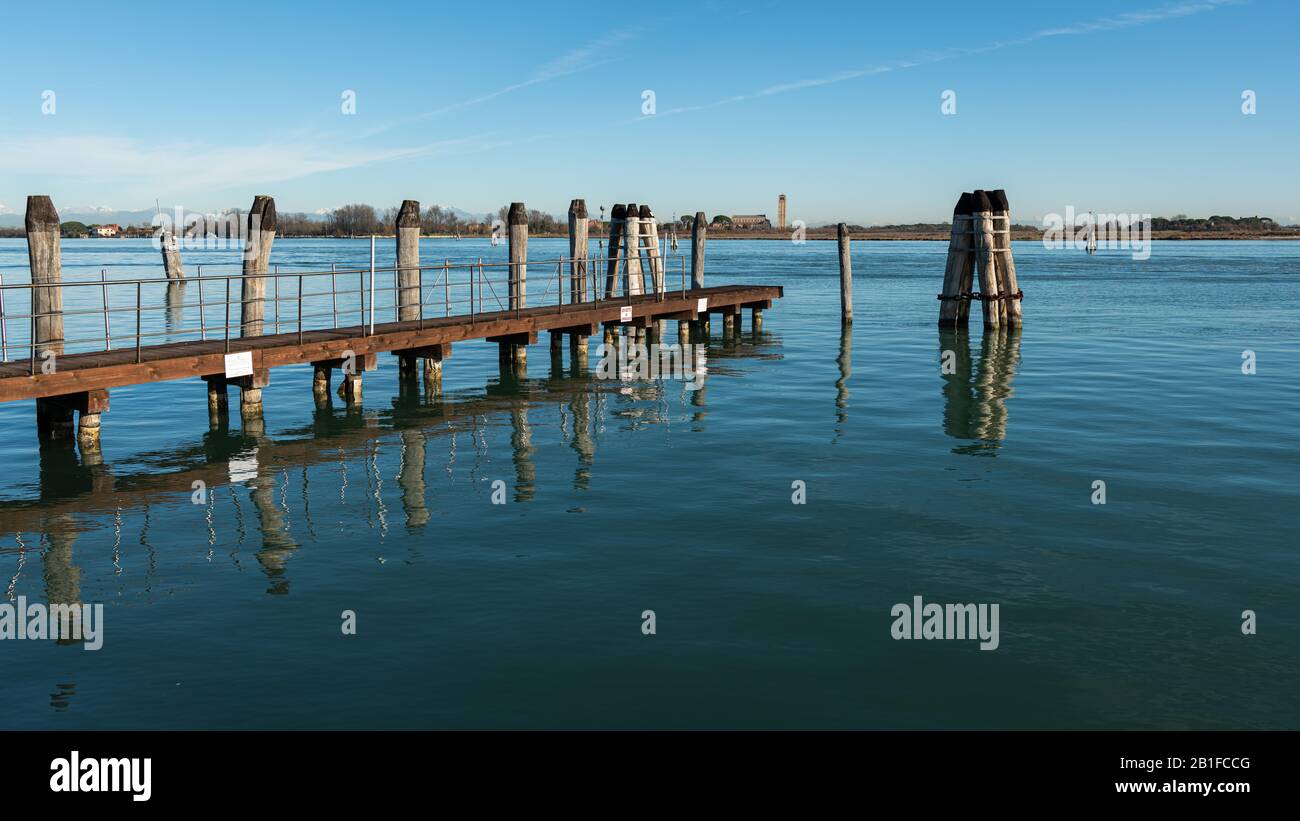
(1119, 21)
(139, 167)
(589, 56)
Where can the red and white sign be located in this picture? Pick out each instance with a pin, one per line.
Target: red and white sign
(625, 313)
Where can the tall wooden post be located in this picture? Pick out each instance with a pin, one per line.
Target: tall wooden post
(54, 419)
(257, 257)
(617, 220)
(650, 237)
(578, 274)
(518, 239)
(985, 257)
(408, 261)
(633, 278)
(846, 274)
(1006, 261)
(171, 255)
(957, 269)
(699, 231)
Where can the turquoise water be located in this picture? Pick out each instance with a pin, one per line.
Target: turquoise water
(968, 487)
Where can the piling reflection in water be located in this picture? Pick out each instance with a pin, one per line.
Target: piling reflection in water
(845, 363)
(975, 403)
(272, 493)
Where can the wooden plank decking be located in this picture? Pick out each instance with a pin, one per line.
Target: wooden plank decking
(80, 372)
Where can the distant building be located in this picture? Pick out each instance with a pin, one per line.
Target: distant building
(780, 212)
(750, 221)
(110, 230)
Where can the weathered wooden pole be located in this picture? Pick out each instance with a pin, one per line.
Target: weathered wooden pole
(518, 255)
(408, 261)
(958, 266)
(650, 233)
(407, 230)
(171, 255)
(633, 278)
(54, 419)
(846, 274)
(257, 257)
(699, 235)
(1006, 262)
(985, 258)
(252, 307)
(578, 226)
(617, 223)
(518, 246)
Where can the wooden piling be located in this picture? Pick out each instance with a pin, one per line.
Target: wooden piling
(89, 406)
(846, 274)
(408, 261)
(617, 224)
(1006, 263)
(518, 238)
(578, 251)
(958, 266)
(985, 258)
(54, 419)
(699, 235)
(171, 255)
(578, 274)
(650, 239)
(633, 277)
(257, 257)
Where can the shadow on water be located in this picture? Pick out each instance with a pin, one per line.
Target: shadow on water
(975, 397)
(245, 477)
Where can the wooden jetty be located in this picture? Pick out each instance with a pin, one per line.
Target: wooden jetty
(434, 307)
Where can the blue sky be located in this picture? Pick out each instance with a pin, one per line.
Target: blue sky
(1112, 106)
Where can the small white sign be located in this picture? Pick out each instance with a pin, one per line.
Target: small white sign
(625, 313)
(239, 364)
(702, 305)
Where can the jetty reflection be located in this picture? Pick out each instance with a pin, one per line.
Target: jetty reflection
(272, 493)
(975, 394)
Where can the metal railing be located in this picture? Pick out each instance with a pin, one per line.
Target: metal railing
(462, 289)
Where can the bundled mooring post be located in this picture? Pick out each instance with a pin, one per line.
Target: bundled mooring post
(980, 243)
(407, 230)
(578, 273)
(617, 222)
(650, 241)
(846, 274)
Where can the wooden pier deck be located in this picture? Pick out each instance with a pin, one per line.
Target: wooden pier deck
(98, 371)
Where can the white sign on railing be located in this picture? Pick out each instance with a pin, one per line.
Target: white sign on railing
(239, 364)
(702, 305)
(625, 313)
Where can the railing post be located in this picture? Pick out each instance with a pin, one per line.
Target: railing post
(103, 286)
(372, 285)
(227, 322)
(203, 326)
(300, 309)
(446, 286)
(4, 330)
(139, 289)
(334, 295)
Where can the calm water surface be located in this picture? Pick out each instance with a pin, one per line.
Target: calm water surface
(623, 497)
